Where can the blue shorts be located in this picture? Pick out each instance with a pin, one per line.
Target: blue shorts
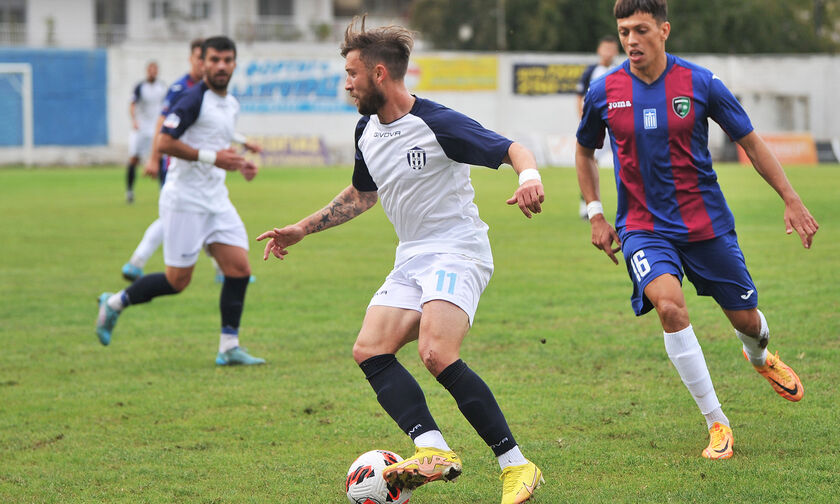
(716, 267)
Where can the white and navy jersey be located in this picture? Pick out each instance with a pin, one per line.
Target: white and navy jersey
(203, 120)
(147, 99)
(420, 166)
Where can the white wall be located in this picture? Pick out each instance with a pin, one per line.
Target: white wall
(72, 23)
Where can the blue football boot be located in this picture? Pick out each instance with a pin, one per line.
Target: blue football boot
(237, 356)
(131, 272)
(106, 320)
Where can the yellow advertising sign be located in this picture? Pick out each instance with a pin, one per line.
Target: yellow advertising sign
(541, 79)
(479, 73)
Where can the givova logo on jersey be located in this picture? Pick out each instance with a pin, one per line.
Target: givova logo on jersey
(416, 158)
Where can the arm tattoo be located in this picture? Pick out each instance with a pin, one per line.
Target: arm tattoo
(347, 205)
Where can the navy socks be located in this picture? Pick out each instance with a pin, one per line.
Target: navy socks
(147, 287)
(479, 407)
(232, 300)
(399, 394)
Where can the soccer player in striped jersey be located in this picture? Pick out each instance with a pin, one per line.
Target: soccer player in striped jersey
(672, 217)
(195, 209)
(414, 155)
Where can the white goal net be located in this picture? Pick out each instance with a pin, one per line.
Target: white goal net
(16, 136)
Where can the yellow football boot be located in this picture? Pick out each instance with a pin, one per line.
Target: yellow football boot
(720, 444)
(519, 482)
(781, 377)
(427, 464)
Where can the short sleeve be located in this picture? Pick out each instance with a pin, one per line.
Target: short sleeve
(362, 180)
(183, 114)
(465, 140)
(585, 78)
(725, 110)
(135, 96)
(591, 130)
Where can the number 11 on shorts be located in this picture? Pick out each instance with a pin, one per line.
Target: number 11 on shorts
(442, 276)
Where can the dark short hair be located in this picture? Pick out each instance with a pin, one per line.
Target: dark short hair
(608, 38)
(388, 45)
(656, 8)
(219, 43)
(196, 43)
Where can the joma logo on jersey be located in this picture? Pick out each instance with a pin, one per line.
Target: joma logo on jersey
(619, 104)
(386, 134)
(416, 158)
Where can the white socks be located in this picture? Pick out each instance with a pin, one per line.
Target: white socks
(228, 341)
(684, 351)
(432, 439)
(756, 352)
(512, 457)
(152, 239)
(117, 301)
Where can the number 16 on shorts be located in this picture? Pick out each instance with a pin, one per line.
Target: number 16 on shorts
(640, 264)
(446, 281)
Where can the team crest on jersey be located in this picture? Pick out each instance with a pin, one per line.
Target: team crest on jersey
(416, 158)
(172, 121)
(681, 105)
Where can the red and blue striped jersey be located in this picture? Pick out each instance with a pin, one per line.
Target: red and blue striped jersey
(659, 134)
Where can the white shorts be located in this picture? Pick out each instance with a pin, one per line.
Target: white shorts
(450, 277)
(140, 143)
(186, 233)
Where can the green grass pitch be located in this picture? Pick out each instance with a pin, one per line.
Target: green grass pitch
(586, 386)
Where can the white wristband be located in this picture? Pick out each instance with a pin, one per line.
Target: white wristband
(239, 138)
(207, 156)
(529, 174)
(594, 208)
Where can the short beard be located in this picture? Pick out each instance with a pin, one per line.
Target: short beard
(371, 103)
(215, 85)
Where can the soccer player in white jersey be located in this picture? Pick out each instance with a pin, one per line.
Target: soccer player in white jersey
(145, 105)
(156, 165)
(194, 206)
(415, 154)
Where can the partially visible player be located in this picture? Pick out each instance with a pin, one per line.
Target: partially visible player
(195, 209)
(145, 104)
(607, 52)
(156, 165)
(672, 218)
(415, 154)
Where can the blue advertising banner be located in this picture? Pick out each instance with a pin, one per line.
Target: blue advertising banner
(283, 86)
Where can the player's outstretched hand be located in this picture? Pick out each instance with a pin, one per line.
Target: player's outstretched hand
(603, 236)
(281, 239)
(249, 170)
(798, 218)
(529, 197)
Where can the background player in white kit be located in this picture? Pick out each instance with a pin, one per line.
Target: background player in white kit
(145, 106)
(156, 167)
(194, 206)
(415, 154)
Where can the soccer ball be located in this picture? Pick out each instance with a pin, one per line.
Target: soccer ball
(365, 484)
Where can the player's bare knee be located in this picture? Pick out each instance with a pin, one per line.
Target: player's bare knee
(673, 315)
(363, 351)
